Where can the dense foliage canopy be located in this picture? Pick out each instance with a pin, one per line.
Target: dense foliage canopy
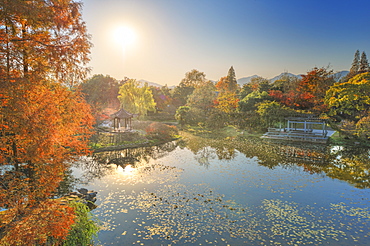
(44, 119)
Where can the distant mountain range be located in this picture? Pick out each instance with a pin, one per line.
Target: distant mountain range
(246, 80)
(143, 81)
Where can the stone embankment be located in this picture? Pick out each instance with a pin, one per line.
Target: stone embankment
(83, 195)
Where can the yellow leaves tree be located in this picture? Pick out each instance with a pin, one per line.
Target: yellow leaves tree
(350, 102)
(227, 102)
(135, 98)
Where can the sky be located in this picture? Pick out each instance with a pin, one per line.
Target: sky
(262, 37)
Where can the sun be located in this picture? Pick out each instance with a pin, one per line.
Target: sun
(124, 36)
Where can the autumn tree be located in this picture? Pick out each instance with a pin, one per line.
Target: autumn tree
(44, 120)
(312, 89)
(227, 98)
(284, 90)
(350, 100)
(136, 98)
(228, 83)
(285, 83)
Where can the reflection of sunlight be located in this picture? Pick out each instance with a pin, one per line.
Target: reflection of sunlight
(128, 170)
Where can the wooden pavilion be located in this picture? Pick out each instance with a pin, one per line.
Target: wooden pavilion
(304, 128)
(125, 117)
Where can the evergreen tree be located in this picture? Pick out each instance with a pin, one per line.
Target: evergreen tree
(232, 83)
(364, 64)
(356, 63)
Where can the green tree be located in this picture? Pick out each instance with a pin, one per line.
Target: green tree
(272, 112)
(232, 83)
(203, 98)
(259, 83)
(249, 102)
(101, 91)
(182, 115)
(364, 64)
(192, 80)
(355, 64)
(85, 229)
(135, 98)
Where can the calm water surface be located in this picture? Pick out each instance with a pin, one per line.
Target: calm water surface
(231, 192)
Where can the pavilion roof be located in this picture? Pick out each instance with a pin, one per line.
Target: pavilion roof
(122, 114)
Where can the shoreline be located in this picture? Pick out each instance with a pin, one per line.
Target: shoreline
(131, 146)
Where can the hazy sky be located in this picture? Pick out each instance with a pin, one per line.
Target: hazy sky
(263, 37)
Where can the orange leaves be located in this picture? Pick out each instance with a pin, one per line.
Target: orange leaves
(43, 124)
(46, 125)
(48, 220)
(227, 102)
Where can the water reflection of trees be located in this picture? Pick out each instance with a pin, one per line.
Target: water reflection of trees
(349, 164)
(104, 163)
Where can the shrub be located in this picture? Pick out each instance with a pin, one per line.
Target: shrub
(85, 228)
(161, 131)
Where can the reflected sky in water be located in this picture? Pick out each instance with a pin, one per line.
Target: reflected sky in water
(198, 192)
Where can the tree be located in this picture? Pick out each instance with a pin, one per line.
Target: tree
(227, 102)
(44, 47)
(227, 84)
(285, 83)
(355, 64)
(39, 134)
(350, 100)
(259, 83)
(135, 98)
(364, 64)
(100, 92)
(272, 112)
(363, 127)
(182, 115)
(231, 78)
(313, 87)
(44, 38)
(162, 98)
(249, 102)
(203, 98)
(192, 80)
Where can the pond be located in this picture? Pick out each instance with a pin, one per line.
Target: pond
(199, 191)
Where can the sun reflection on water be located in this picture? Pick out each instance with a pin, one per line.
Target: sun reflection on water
(128, 170)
